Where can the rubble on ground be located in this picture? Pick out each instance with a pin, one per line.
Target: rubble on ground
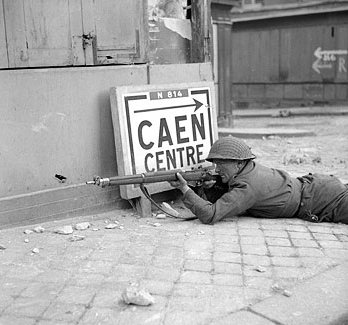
(135, 295)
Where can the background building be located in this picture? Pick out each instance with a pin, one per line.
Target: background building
(276, 53)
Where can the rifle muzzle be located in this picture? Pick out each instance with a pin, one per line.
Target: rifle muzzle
(97, 180)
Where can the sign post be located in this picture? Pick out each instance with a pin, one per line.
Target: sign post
(162, 127)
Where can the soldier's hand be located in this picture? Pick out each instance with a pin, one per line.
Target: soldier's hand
(208, 184)
(180, 183)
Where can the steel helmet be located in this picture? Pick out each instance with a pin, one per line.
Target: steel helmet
(230, 148)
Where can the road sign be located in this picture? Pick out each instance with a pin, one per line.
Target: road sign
(162, 127)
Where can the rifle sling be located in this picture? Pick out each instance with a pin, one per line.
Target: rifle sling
(148, 196)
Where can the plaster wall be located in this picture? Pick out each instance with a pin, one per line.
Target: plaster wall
(58, 121)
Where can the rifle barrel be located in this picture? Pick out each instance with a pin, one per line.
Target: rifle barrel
(154, 177)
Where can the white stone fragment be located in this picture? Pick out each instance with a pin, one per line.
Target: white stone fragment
(287, 293)
(111, 226)
(135, 295)
(82, 226)
(260, 269)
(161, 216)
(156, 224)
(35, 250)
(39, 229)
(76, 238)
(65, 230)
(28, 231)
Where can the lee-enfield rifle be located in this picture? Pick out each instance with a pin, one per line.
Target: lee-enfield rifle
(194, 177)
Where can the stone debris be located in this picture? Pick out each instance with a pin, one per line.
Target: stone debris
(276, 287)
(95, 229)
(82, 226)
(287, 293)
(39, 229)
(161, 216)
(28, 231)
(76, 238)
(26, 240)
(260, 269)
(112, 226)
(200, 232)
(135, 295)
(35, 250)
(167, 208)
(156, 224)
(65, 230)
(2, 247)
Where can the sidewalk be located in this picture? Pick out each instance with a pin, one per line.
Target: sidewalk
(293, 111)
(276, 113)
(241, 271)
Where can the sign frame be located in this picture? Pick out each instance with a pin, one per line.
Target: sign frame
(128, 101)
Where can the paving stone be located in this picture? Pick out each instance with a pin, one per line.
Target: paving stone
(197, 254)
(198, 265)
(87, 279)
(296, 228)
(155, 287)
(195, 277)
(250, 259)
(259, 282)
(331, 244)
(27, 306)
(287, 272)
(324, 228)
(253, 271)
(185, 318)
(222, 267)
(286, 261)
(336, 253)
(16, 320)
(227, 247)
(331, 286)
(254, 249)
(251, 232)
(165, 263)
(300, 235)
(228, 279)
(230, 305)
(227, 239)
(59, 311)
(227, 257)
(282, 251)
(276, 233)
(305, 243)
(162, 274)
(272, 226)
(192, 289)
(40, 290)
(185, 303)
(252, 240)
(76, 295)
(309, 251)
(108, 298)
(273, 241)
(242, 318)
(325, 236)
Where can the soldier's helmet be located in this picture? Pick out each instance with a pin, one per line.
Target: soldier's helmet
(230, 148)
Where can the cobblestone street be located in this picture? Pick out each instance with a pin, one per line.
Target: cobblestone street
(239, 271)
(198, 274)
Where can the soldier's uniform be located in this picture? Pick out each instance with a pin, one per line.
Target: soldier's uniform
(264, 192)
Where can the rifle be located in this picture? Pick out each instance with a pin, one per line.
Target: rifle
(194, 177)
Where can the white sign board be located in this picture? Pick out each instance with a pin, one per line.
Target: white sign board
(162, 127)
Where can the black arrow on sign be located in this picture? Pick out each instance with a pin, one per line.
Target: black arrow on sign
(197, 105)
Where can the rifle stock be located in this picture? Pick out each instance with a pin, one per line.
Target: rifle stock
(194, 175)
